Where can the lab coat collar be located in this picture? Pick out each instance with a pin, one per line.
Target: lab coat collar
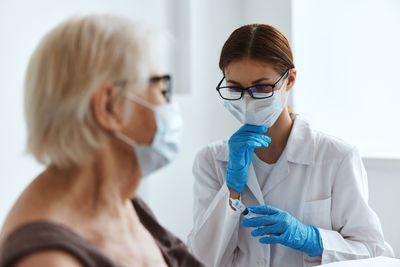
(301, 144)
(299, 148)
(223, 153)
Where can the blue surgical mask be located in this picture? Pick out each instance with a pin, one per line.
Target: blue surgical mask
(166, 142)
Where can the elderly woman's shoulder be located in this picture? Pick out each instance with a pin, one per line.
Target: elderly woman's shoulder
(33, 208)
(32, 205)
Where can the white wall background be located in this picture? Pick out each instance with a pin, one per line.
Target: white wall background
(384, 184)
(347, 54)
(22, 23)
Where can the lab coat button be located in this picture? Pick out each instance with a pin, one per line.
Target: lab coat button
(262, 263)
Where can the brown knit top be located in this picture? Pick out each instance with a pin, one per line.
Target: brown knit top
(42, 235)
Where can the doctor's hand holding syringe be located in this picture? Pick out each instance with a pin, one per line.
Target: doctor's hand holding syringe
(272, 224)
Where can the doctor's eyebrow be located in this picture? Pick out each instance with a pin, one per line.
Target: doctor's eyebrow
(261, 80)
(254, 82)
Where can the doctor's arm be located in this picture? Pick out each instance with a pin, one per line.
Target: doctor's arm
(214, 237)
(357, 232)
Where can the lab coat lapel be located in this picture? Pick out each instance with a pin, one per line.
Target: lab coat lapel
(254, 186)
(299, 151)
(277, 175)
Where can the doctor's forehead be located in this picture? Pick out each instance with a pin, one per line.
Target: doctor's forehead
(249, 70)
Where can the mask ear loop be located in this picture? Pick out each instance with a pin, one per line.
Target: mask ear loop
(141, 101)
(125, 139)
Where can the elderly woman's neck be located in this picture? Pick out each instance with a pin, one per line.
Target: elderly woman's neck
(109, 182)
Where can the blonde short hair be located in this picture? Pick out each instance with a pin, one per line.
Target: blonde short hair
(70, 62)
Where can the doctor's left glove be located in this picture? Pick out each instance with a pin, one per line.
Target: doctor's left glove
(280, 227)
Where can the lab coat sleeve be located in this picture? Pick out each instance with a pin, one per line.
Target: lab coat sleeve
(214, 237)
(357, 232)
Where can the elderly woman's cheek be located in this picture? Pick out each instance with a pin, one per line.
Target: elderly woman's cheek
(142, 126)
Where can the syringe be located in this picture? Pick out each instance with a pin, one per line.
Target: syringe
(237, 204)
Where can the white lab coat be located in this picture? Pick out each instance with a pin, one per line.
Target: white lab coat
(318, 179)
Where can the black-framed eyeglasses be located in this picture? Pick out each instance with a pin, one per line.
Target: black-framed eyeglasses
(166, 79)
(257, 91)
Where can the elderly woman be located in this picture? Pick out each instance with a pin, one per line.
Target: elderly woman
(99, 117)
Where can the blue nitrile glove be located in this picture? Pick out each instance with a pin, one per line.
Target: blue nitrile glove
(241, 150)
(281, 227)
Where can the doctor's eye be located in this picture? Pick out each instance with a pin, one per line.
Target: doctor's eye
(261, 91)
(265, 89)
(234, 89)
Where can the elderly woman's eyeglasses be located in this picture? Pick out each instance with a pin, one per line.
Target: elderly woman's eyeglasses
(166, 79)
(167, 90)
(257, 91)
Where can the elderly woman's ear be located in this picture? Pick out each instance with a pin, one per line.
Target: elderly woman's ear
(105, 110)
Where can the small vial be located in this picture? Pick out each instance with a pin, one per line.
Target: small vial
(242, 208)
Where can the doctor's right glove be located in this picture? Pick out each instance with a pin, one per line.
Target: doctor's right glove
(280, 227)
(241, 150)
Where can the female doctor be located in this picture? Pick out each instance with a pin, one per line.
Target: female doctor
(308, 190)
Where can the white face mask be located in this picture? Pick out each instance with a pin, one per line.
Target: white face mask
(166, 142)
(248, 110)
